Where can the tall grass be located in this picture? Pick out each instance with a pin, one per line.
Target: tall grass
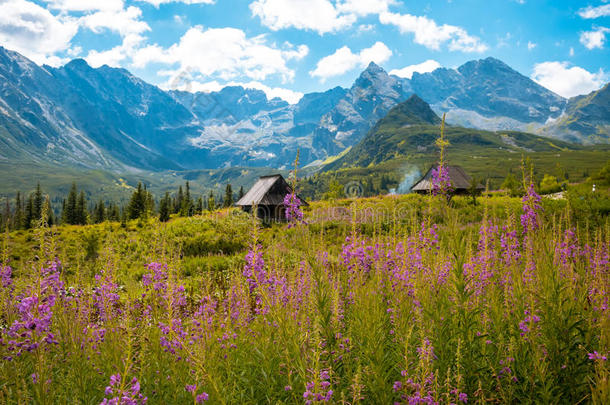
(389, 301)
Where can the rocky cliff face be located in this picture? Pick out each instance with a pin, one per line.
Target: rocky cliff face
(107, 118)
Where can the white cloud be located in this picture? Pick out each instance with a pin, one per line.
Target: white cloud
(85, 5)
(124, 22)
(364, 7)
(344, 60)
(531, 45)
(428, 66)
(322, 16)
(594, 12)
(225, 52)
(594, 39)
(315, 15)
(34, 32)
(116, 56)
(156, 3)
(292, 97)
(432, 35)
(185, 83)
(567, 81)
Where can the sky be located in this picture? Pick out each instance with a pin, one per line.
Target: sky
(290, 47)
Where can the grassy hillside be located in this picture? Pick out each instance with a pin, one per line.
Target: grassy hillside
(402, 145)
(369, 300)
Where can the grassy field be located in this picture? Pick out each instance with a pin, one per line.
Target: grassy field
(397, 299)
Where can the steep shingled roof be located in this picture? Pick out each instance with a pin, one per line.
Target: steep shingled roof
(268, 190)
(459, 179)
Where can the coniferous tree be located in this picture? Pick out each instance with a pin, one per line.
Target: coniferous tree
(37, 203)
(124, 217)
(241, 192)
(137, 205)
(200, 205)
(99, 212)
(46, 208)
(186, 209)
(29, 213)
(165, 208)
(178, 202)
(149, 203)
(228, 199)
(211, 202)
(81, 209)
(7, 214)
(113, 213)
(18, 221)
(69, 215)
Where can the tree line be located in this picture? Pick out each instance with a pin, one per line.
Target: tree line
(25, 212)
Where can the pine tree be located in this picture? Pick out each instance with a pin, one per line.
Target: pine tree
(29, 213)
(178, 202)
(99, 212)
(69, 215)
(211, 202)
(200, 205)
(18, 221)
(37, 203)
(186, 209)
(7, 214)
(149, 203)
(241, 192)
(164, 208)
(137, 205)
(81, 209)
(113, 213)
(228, 199)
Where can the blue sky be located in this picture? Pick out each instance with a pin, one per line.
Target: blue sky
(290, 47)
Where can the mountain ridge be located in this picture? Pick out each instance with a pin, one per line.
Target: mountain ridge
(107, 118)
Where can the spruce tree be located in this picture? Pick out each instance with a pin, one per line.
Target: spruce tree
(179, 199)
(38, 201)
(137, 204)
(211, 202)
(29, 213)
(18, 221)
(99, 212)
(200, 205)
(241, 192)
(164, 208)
(81, 209)
(187, 203)
(7, 214)
(69, 213)
(228, 199)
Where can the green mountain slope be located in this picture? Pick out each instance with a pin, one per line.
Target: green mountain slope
(587, 116)
(411, 128)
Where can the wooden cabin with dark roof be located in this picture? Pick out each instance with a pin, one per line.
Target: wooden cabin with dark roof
(267, 195)
(460, 181)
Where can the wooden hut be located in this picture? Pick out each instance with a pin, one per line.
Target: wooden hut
(460, 181)
(267, 195)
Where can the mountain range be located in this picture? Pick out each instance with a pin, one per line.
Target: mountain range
(411, 128)
(106, 118)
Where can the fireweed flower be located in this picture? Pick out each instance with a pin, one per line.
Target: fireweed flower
(128, 395)
(201, 398)
(5, 277)
(596, 356)
(35, 307)
(531, 207)
(294, 214)
(323, 393)
(441, 182)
